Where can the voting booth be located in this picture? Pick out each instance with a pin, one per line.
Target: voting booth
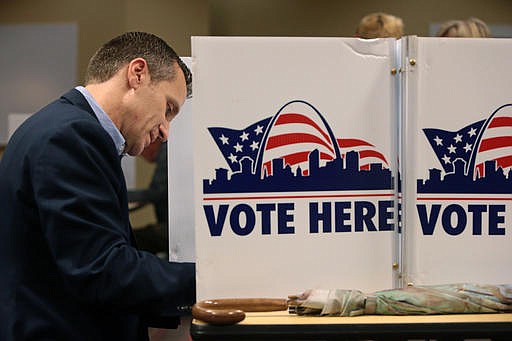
(294, 164)
(456, 159)
(343, 163)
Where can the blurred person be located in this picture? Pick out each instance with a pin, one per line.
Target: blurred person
(380, 25)
(469, 28)
(154, 237)
(70, 266)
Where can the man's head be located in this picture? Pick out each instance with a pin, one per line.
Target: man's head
(119, 51)
(141, 83)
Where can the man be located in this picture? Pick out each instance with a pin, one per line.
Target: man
(70, 269)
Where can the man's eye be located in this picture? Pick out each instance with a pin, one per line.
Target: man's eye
(169, 111)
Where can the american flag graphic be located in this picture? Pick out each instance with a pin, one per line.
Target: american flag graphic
(291, 135)
(298, 129)
(368, 153)
(236, 145)
(482, 141)
(495, 141)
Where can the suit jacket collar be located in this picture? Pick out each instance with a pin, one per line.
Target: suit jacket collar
(76, 98)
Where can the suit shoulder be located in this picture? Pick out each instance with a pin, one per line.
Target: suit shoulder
(59, 122)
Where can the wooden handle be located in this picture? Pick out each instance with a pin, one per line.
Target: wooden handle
(232, 310)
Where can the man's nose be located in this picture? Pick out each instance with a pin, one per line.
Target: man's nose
(163, 131)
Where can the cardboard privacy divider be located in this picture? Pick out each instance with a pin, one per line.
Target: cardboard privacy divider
(295, 155)
(292, 146)
(181, 183)
(456, 159)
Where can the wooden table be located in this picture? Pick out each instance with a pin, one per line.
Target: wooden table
(282, 326)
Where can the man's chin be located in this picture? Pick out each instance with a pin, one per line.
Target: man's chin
(134, 151)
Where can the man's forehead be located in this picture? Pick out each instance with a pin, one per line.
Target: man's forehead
(181, 84)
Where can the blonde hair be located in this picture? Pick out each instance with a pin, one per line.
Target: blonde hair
(380, 25)
(470, 28)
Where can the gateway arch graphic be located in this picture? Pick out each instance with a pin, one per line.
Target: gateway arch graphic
(295, 150)
(474, 159)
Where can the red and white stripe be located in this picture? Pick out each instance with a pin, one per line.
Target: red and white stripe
(368, 154)
(496, 142)
(296, 132)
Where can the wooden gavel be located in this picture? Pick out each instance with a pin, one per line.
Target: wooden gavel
(232, 310)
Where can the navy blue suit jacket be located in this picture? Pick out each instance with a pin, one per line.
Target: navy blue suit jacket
(69, 269)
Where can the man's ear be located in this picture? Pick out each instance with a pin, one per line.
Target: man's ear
(137, 72)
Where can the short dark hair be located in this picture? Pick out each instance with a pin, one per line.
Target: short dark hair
(119, 51)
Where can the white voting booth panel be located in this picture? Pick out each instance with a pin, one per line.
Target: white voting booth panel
(294, 158)
(456, 158)
(181, 183)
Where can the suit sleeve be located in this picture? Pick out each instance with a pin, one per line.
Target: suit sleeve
(80, 190)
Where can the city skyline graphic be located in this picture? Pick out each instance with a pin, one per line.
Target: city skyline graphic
(474, 159)
(295, 150)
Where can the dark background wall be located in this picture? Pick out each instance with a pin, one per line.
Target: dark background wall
(178, 20)
(339, 18)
